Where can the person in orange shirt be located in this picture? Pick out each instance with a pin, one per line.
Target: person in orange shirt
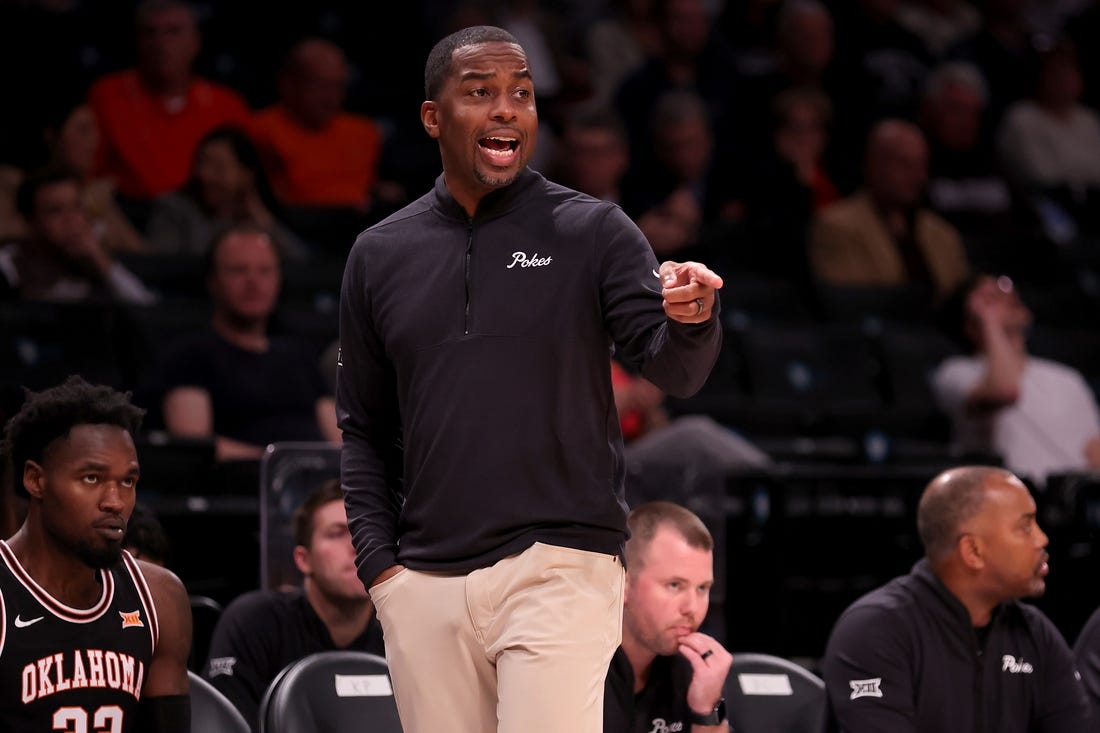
(320, 157)
(151, 116)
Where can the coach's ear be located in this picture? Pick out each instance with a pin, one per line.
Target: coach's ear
(429, 117)
(33, 479)
(303, 561)
(971, 551)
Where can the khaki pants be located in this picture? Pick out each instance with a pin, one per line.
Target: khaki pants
(519, 647)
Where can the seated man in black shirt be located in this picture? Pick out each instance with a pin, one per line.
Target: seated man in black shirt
(1086, 652)
(666, 675)
(239, 381)
(950, 646)
(261, 632)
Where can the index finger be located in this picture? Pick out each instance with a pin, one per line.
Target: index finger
(705, 276)
(698, 642)
(685, 273)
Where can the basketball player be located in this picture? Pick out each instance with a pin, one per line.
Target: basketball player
(91, 640)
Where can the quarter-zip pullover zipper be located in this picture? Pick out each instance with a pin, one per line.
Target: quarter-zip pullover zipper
(469, 285)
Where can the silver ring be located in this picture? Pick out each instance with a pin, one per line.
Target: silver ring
(706, 654)
(699, 306)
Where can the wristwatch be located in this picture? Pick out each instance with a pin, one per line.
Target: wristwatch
(714, 717)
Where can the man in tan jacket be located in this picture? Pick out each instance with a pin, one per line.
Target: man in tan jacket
(883, 235)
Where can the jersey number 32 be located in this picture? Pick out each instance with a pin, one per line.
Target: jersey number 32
(106, 719)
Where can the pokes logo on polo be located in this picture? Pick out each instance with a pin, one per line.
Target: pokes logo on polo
(131, 618)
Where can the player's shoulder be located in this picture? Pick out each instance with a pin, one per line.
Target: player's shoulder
(164, 584)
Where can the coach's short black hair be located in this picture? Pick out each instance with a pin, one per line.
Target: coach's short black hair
(50, 414)
(439, 60)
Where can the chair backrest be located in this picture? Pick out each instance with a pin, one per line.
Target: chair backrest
(211, 711)
(810, 377)
(331, 691)
(768, 694)
(205, 612)
(289, 471)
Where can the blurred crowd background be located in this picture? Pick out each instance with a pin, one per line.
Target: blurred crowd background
(856, 170)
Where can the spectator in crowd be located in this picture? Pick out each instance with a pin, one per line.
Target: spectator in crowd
(261, 632)
(593, 158)
(966, 184)
(749, 26)
(789, 186)
(940, 24)
(804, 51)
(322, 159)
(72, 139)
(666, 674)
(668, 199)
(12, 226)
(101, 639)
(951, 646)
(63, 257)
(593, 154)
(652, 437)
(556, 61)
(882, 65)
(237, 381)
(1086, 651)
(693, 55)
(1005, 49)
(1049, 17)
(151, 116)
(801, 117)
(1040, 416)
(1050, 142)
(883, 235)
(805, 44)
(686, 190)
(227, 185)
(617, 44)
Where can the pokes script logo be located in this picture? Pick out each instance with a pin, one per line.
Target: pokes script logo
(131, 618)
(521, 259)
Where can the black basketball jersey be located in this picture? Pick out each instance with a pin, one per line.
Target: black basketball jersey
(71, 669)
